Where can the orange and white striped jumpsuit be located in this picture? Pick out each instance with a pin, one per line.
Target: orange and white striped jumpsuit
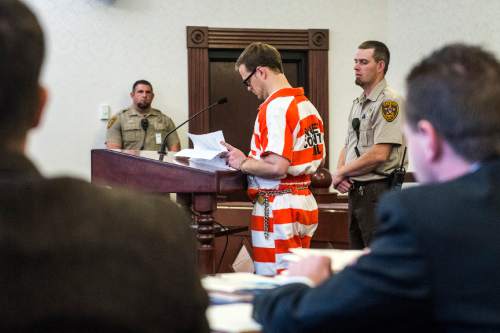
(290, 126)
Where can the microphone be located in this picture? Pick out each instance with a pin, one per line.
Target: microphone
(163, 147)
(355, 126)
(144, 125)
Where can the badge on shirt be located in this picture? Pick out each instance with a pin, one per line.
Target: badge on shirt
(390, 110)
(111, 121)
(158, 138)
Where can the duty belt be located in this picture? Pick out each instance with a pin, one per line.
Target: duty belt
(263, 198)
(361, 185)
(368, 182)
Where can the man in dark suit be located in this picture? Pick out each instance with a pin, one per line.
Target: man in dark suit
(77, 258)
(433, 265)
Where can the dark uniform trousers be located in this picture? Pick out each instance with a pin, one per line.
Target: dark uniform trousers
(363, 199)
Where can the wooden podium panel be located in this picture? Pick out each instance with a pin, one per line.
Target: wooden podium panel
(197, 185)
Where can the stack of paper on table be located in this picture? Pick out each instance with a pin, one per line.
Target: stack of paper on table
(241, 287)
(236, 282)
(340, 258)
(230, 296)
(232, 318)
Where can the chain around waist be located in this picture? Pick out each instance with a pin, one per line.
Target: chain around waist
(282, 188)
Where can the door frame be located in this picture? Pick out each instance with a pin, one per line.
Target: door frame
(200, 39)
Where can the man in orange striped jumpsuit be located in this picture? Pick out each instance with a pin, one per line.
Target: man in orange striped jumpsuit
(287, 147)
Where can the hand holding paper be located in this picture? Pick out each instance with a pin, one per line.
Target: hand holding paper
(207, 149)
(205, 146)
(234, 156)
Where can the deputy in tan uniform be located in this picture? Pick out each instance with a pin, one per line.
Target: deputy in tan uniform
(141, 127)
(374, 146)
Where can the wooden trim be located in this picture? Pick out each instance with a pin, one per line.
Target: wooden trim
(318, 85)
(240, 38)
(197, 37)
(286, 39)
(318, 39)
(198, 89)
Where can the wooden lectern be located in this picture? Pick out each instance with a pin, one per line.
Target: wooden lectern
(196, 185)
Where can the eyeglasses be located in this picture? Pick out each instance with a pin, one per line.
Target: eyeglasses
(246, 82)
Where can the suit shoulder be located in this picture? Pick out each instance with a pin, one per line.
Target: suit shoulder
(402, 198)
(118, 201)
(151, 216)
(403, 205)
(419, 205)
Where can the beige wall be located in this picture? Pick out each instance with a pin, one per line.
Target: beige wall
(97, 48)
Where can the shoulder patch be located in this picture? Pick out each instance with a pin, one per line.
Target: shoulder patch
(390, 110)
(111, 121)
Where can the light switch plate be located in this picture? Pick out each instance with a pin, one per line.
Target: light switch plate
(104, 111)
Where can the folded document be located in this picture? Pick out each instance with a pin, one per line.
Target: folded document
(205, 146)
(207, 150)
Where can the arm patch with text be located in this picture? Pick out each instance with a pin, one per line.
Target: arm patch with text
(390, 110)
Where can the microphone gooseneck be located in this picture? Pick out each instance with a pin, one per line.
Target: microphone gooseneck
(163, 147)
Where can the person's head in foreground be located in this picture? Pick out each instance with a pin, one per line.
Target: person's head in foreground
(78, 258)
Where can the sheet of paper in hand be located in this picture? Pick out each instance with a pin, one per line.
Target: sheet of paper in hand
(207, 149)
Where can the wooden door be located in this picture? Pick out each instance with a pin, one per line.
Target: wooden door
(236, 118)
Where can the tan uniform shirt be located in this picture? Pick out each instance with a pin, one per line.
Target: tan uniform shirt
(125, 129)
(381, 118)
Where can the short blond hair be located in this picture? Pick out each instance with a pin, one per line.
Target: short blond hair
(260, 54)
